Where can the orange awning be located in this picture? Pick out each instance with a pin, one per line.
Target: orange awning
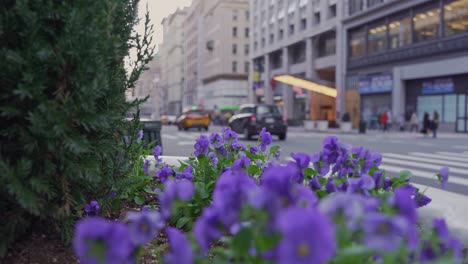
(306, 84)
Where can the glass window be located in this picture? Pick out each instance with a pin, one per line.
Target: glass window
(234, 32)
(327, 44)
(456, 17)
(267, 109)
(450, 107)
(399, 32)
(234, 66)
(426, 25)
(376, 38)
(429, 104)
(461, 105)
(234, 48)
(246, 49)
(247, 32)
(357, 41)
(234, 15)
(246, 67)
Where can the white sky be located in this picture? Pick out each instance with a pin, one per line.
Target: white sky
(159, 9)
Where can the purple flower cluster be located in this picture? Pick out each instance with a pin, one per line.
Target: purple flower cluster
(187, 173)
(265, 139)
(202, 145)
(146, 165)
(144, 226)
(92, 208)
(164, 173)
(181, 189)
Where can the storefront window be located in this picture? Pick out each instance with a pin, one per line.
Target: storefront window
(426, 25)
(429, 104)
(450, 107)
(399, 32)
(376, 38)
(456, 17)
(357, 43)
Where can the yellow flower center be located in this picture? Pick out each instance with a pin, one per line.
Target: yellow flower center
(303, 250)
(144, 227)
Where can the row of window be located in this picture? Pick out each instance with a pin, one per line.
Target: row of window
(411, 27)
(246, 49)
(246, 32)
(246, 67)
(235, 14)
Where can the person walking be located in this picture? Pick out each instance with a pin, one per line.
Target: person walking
(426, 124)
(414, 122)
(435, 124)
(383, 121)
(389, 120)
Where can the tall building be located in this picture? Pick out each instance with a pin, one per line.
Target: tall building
(172, 60)
(149, 84)
(406, 56)
(217, 50)
(295, 56)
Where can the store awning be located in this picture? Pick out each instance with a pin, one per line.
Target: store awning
(306, 84)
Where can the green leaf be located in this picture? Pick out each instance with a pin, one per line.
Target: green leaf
(241, 242)
(148, 189)
(182, 222)
(405, 175)
(309, 173)
(274, 149)
(253, 170)
(139, 199)
(264, 242)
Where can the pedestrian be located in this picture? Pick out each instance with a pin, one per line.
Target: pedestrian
(401, 122)
(435, 124)
(426, 124)
(383, 121)
(389, 120)
(414, 122)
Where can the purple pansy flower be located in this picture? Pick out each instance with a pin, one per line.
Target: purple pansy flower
(144, 226)
(307, 237)
(157, 152)
(265, 139)
(422, 200)
(216, 140)
(330, 187)
(92, 208)
(140, 134)
(164, 173)
(378, 179)
(236, 145)
(304, 196)
(146, 164)
(384, 233)
(180, 249)
(213, 158)
(253, 149)
(406, 205)
(187, 173)
(95, 231)
(387, 184)
(443, 176)
(320, 165)
(361, 185)
(241, 163)
(181, 189)
(315, 184)
(201, 146)
(228, 134)
(301, 159)
(206, 229)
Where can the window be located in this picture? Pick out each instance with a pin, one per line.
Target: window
(247, 32)
(376, 38)
(357, 39)
(246, 67)
(255, 45)
(263, 42)
(272, 38)
(355, 6)
(291, 29)
(246, 49)
(332, 11)
(399, 32)
(303, 23)
(456, 17)
(429, 104)
(234, 31)
(426, 25)
(234, 66)
(234, 48)
(247, 15)
(327, 44)
(371, 3)
(280, 34)
(234, 14)
(317, 18)
(450, 108)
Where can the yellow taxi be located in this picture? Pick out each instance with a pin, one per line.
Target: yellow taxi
(194, 119)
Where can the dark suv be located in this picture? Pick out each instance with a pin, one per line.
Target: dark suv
(252, 118)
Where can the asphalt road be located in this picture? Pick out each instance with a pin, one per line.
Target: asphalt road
(424, 156)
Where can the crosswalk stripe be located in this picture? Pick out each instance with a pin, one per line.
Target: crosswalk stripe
(427, 144)
(439, 161)
(438, 156)
(461, 147)
(186, 136)
(424, 174)
(454, 154)
(185, 143)
(168, 136)
(424, 165)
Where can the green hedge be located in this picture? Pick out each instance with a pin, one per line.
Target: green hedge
(62, 106)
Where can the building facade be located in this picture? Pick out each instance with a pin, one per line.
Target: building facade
(217, 48)
(297, 38)
(172, 60)
(406, 57)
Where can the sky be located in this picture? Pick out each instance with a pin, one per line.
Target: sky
(159, 9)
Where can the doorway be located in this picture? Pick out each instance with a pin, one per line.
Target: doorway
(462, 114)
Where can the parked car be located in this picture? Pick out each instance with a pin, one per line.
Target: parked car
(171, 120)
(194, 119)
(251, 118)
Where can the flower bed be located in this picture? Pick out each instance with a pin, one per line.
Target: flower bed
(231, 203)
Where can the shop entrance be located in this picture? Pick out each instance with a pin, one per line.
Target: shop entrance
(462, 113)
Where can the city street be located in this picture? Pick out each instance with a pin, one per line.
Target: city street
(422, 156)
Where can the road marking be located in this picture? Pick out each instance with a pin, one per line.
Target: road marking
(425, 159)
(185, 143)
(424, 174)
(461, 147)
(438, 156)
(436, 168)
(395, 141)
(427, 144)
(168, 136)
(454, 154)
(187, 136)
